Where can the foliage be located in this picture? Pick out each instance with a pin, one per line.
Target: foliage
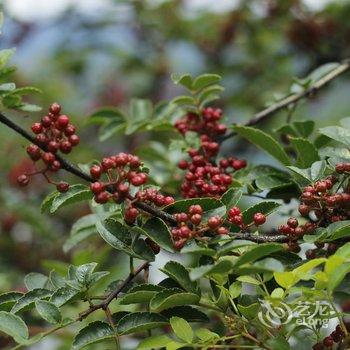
(234, 269)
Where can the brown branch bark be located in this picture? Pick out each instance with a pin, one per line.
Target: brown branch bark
(292, 99)
(114, 294)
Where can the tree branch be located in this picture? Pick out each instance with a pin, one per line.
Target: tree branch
(66, 165)
(261, 238)
(114, 294)
(292, 99)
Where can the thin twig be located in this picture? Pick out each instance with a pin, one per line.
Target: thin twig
(292, 99)
(114, 294)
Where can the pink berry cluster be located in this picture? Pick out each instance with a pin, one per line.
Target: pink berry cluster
(294, 231)
(327, 205)
(190, 225)
(114, 177)
(54, 133)
(204, 177)
(235, 217)
(327, 343)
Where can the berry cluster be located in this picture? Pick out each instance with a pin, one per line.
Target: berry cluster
(335, 337)
(328, 206)
(235, 217)
(190, 225)
(205, 178)
(120, 172)
(54, 134)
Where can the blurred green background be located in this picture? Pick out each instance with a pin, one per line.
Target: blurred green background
(86, 54)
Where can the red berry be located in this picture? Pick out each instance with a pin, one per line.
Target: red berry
(37, 128)
(70, 130)
(102, 197)
(53, 146)
(48, 157)
(183, 164)
(195, 209)
(107, 163)
(62, 122)
(196, 219)
(74, 139)
(62, 187)
(214, 222)
(123, 188)
(237, 220)
(130, 215)
(23, 180)
(328, 342)
(65, 147)
(96, 171)
(318, 346)
(184, 232)
(34, 152)
(222, 230)
(55, 108)
(259, 219)
(234, 211)
(292, 222)
(97, 187)
(46, 121)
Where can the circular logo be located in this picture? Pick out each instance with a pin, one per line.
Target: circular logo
(274, 315)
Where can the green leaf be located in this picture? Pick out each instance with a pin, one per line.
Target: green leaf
(28, 107)
(337, 133)
(206, 335)
(189, 313)
(140, 321)
(235, 289)
(5, 56)
(182, 79)
(182, 329)
(304, 128)
(249, 311)
(170, 298)
(48, 311)
(93, 333)
(231, 197)
(204, 80)
(278, 343)
(107, 114)
(258, 252)
(264, 142)
(158, 231)
(321, 71)
(7, 87)
(220, 267)
(140, 111)
(13, 326)
(75, 194)
(47, 202)
(118, 236)
(183, 100)
(307, 153)
(7, 300)
(64, 295)
(154, 342)
(27, 90)
(142, 293)
(28, 299)
(262, 207)
(179, 273)
(35, 280)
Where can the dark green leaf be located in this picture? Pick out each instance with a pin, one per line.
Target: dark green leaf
(263, 141)
(75, 194)
(13, 326)
(158, 231)
(93, 333)
(170, 298)
(140, 321)
(48, 311)
(142, 293)
(179, 273)
(28, 299)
